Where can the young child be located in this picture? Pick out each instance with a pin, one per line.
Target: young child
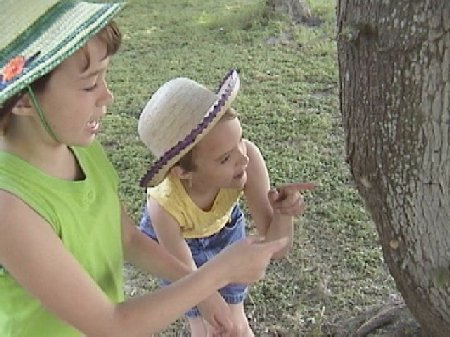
(63, 232)
(203, 167)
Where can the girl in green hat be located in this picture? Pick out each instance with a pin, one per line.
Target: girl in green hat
(63, 232)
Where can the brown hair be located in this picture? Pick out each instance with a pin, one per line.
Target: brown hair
(110, 34)
(187, 161)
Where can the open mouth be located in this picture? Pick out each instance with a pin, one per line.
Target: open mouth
(93, 125)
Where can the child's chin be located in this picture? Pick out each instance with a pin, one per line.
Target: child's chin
(240, 182)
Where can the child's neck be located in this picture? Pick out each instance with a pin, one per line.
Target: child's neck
(203, 196)
(55, 160)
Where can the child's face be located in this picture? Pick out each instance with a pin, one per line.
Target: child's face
(221, 157)
(75, 96)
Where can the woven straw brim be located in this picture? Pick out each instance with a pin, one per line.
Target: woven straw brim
(226, 94)
(52, 30)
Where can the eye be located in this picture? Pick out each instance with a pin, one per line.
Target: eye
(94, 82)
(225, 159)
(91, 88)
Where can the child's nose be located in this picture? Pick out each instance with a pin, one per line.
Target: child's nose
(106, 98)
(243, 159)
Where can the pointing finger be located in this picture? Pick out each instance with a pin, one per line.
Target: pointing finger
(299, 186)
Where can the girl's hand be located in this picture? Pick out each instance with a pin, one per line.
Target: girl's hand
(246, 260)
(287, 200)
(217, 313)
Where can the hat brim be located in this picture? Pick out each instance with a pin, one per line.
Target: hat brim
(226, 94)
(57, 33)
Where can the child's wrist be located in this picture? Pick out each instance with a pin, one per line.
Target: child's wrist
(216, 271)
(283, 216)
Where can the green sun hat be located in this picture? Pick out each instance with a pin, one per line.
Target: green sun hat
(37, 35)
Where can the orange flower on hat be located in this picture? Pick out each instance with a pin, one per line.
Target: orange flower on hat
(13, 68)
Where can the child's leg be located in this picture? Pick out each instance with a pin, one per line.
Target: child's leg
(198, 327)
(201, 328)
(241, 328)
(203, 249)
(240, 322)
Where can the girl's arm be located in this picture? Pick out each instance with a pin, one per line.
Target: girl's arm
(269, 223)
(214, 309)
(148, 255)
(169, 234)
(34, 256)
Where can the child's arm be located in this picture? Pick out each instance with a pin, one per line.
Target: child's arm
(35, 257)
(273, 218)
(147, 255)
(169, 233)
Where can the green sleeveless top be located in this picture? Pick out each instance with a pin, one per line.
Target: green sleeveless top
(85, 215)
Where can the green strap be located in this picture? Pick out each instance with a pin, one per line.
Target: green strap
(38, 108)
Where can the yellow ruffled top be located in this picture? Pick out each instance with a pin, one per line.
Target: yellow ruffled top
(193, 221)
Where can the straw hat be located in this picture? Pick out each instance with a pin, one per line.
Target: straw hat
(178, 116)
(37, 35)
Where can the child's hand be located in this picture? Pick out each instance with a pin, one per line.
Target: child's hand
(217, 313)
(287, 200)
(246, 260)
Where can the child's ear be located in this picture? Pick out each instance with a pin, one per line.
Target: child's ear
(180, 173)
(23, 106)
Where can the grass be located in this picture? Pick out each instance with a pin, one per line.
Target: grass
(288, 105)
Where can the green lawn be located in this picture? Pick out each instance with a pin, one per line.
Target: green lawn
(288, 105)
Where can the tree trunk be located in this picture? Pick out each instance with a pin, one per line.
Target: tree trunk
(394, 65)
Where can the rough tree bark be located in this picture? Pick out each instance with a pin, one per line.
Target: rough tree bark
(394, 64)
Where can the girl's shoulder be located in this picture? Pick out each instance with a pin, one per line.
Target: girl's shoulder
(258, 181)
(256, 163)
(253, 152)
